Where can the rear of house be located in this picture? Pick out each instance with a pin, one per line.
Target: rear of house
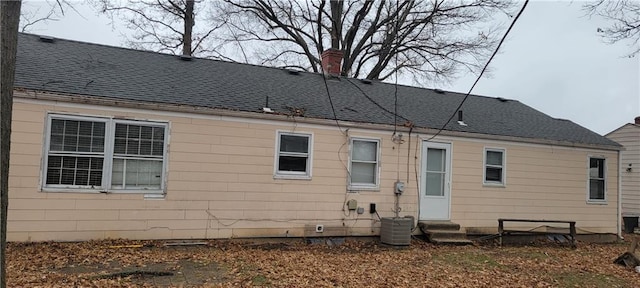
(629, 137)
(116, 143)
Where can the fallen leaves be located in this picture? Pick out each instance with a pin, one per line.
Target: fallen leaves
(224, 263)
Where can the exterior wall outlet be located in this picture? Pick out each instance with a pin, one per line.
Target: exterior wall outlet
(360, 210)
(352, 204)
(319, 228)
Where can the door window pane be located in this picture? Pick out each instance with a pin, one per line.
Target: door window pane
(435, 159)
(435, 184)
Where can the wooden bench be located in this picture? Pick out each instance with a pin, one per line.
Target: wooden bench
(571, 234)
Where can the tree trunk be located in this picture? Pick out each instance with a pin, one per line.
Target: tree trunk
(189, 21)
(336, 23)
(9, 20)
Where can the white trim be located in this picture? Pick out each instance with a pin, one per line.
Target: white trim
(46, 148)
(307, 175)
(606, 173)
(619, 204)
(107, 154)
(448, 147)
(353, 187)
(503, 183)
(498, 143)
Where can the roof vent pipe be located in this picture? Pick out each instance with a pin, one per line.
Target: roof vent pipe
(460, 119)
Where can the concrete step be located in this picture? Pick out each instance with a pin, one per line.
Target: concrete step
(438, 225)
(447, 241)
(444, 232)
(449, 234)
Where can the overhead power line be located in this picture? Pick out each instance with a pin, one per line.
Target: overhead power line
(333, 109)
(483, 70)
(376, 103)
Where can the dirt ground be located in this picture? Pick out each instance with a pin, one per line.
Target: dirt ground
(217, 263)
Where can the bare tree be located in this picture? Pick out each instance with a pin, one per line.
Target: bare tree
(432, 39)
(46, 11)
(625, 21)
(9, 21)
(30, 18)
(167, 26)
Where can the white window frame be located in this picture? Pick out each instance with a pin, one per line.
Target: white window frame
(364, 186)
(277, 174)
(110, 124)
(596, 201)
(503, 183)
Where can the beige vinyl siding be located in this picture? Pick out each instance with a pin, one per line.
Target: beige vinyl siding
(629, 137)
(220, 183)
(542, 182)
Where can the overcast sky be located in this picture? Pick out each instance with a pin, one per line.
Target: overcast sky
(553, 61)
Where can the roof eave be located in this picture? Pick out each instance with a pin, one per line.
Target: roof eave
(123, 103)
(622, 127)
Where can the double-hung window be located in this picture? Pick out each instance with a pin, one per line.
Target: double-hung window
(76, 153)
(364, 164)
(138, 156)
(104, 154)
(494, 166)
(293, 155)
(597, 182)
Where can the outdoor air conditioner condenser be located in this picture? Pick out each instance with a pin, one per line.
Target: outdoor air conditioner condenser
(396, 231)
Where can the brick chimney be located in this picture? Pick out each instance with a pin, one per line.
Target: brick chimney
(637, 120)
(331, 60)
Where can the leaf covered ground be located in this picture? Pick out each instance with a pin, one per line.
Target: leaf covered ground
(218, 263)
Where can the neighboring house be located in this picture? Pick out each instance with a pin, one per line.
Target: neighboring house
(629, 136)
(110, 142)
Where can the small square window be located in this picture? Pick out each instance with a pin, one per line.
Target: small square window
(293, 157)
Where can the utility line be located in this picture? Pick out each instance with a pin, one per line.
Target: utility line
(482, 72)
(374, 101)
(333, 109)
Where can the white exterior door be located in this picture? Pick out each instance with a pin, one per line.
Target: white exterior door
(435, 181)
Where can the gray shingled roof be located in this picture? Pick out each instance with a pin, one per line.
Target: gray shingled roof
(103, 71)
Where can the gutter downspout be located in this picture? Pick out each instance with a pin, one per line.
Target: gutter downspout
(620, 196)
